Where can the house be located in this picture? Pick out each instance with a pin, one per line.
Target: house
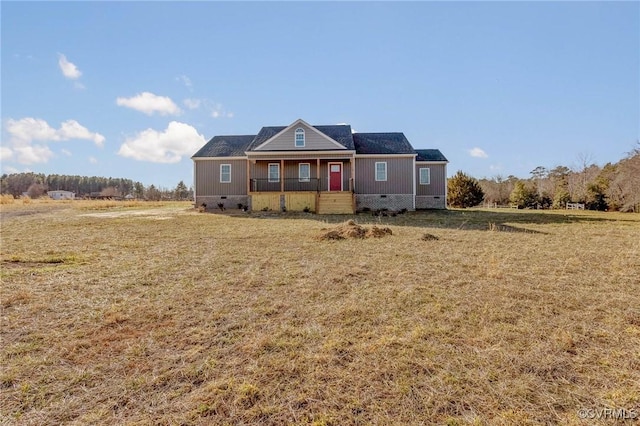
(61, 195)
(326, 169)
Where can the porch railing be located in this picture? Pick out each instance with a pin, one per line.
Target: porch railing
(292, 184)
(295, 184)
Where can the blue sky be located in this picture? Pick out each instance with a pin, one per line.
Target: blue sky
(133, 89)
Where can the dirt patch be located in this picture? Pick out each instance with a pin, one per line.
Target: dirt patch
(350, 229)
(429, 237)
(158, 213)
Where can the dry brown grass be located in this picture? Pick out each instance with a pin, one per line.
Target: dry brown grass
(6, 199)
(215, 319)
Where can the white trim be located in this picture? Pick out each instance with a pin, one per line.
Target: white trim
(414, 184)
(308, 179)
(269, 172)
(386, 155)
(428, 169)
(295, 138)
(431, 162)
(277, 154)
(375, 171)
(221, 166)
(195, 185)
(329, 175)
(218, 158)
(297, 123)
(446, 189)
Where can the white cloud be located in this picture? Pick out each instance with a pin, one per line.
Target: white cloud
(71, 129)
(478, 153)
(93, 160)
(149, 103)
(32, 154)
(68, 69)
(78, 85)
(5, 153)
(66, 152)
(24, 132)
(217, 111)
(168, 146)
(495, 167)
(186, 81)
(9, 170)
(192, 103)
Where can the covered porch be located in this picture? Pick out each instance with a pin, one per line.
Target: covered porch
(321, 184)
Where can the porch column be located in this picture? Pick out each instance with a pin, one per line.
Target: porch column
(281, 175)
(248, 176)
(318, 174)
(352, 163)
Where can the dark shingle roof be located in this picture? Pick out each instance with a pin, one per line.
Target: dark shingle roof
(225, 146)
(430, 155)
(382, 143)
(339, 133)
(265, 134)
(362, 143)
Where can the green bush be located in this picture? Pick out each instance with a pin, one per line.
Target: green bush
(464, 191)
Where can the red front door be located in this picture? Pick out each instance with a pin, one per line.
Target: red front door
(335, 176)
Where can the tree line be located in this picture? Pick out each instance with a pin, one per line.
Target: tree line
(36, 185)
(615, 186)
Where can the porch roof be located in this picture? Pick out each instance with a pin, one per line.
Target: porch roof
(299, 155)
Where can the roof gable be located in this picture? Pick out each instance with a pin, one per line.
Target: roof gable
(382, 143)
(316, 138)
(225, 146)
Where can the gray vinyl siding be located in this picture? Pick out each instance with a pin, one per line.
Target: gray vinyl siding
(313, 141)
(399, 176)
(291, 169)
(207, 178)
(438, 180)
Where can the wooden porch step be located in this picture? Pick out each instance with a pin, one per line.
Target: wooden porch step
(335, 203)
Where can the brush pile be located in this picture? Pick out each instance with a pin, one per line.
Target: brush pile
(350, 229)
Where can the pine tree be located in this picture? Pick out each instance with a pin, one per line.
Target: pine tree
(524, 196)
(181, 192)
(463, 191)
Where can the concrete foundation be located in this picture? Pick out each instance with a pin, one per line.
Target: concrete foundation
(392, 202)
(424, 202)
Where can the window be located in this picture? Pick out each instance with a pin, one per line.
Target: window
(274, 172)
(381, 171)
(425, 176)
(299, 138)
(225, 173)
(304, 172)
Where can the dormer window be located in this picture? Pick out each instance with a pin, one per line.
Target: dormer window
(299, 138)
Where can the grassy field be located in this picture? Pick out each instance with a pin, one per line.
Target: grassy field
(154, 314)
